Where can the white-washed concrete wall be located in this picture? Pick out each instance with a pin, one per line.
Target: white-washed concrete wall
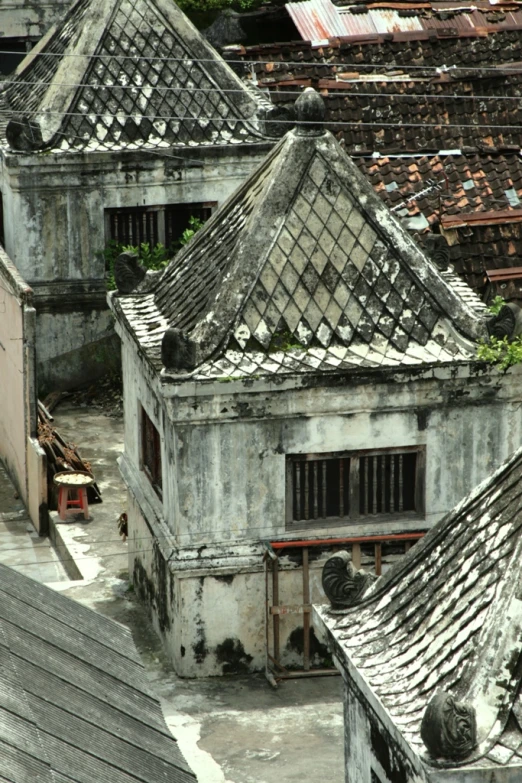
(55, 229)
(223, 457)
(28, 18)
(37, 486)
(17, 371)
(229, 449)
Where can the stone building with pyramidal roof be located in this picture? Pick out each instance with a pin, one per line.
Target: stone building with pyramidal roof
(300, 373)
(120, 124)
(430, 653)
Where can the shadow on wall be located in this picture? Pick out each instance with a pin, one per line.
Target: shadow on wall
(81, 366)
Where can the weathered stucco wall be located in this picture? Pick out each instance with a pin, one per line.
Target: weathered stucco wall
(372, 754)
(30, 19)
(17, 371)
(226, 451)
(223, 457)
(54, 226)
(37, 486)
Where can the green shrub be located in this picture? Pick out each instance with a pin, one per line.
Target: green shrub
(501, 352)
(155, 258)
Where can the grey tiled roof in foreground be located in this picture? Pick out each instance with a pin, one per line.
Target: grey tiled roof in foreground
(448, 617)
(130, 74)
(75, 706)
(304, 269)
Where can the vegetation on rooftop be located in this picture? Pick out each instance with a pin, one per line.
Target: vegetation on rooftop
(502, 352)
(155, 257)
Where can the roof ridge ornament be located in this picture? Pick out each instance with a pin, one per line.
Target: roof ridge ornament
(449, 727)
(343, 584)
(310, 111)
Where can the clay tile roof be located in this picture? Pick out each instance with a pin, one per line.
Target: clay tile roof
(374, 108)
(448, 617)
(305, 263)
(475, 196)
(75, 704)
(120, 74)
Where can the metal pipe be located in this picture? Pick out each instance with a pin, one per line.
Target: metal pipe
(356, 540)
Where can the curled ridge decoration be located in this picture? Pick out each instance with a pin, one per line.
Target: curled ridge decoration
(342, 583)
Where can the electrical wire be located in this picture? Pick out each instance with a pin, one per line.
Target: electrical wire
(241, 91)
(127, 551)
(290, 122)
(330, 63)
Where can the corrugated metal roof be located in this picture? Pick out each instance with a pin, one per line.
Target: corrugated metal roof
(316, 19)
(319, 20)
(75, 704)
(511, 273)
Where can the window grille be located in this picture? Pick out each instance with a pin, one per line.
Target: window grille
(134, 226)
(151, 453)
(153, 224)
(348, 486)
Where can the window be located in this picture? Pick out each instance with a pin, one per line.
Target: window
(151, 453)
(165, 224)
(349, 486)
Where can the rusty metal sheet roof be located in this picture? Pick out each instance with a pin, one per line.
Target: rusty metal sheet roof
(482, 218)
(316, 19)
(510, 273)
(319, 20)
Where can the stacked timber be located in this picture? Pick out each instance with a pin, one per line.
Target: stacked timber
(61, 456)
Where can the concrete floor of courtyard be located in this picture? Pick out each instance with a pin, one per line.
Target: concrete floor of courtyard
(231, 729)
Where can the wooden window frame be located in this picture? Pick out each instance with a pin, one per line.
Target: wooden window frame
(160, 215)
(150, 458)
(354, 516)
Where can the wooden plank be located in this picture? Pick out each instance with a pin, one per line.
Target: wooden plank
(291, 609)
(378, 559)
(306, 616)
(275, 602)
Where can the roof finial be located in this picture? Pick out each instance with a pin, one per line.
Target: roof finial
(310, 110)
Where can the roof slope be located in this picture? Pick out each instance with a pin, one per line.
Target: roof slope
(448, 617)
(306, 266)
(477, 196)
(120, 74)
(75, 705)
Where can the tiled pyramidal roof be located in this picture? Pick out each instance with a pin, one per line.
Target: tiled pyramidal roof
(75, 703)
(120, 74)
(448, 617)
(304, 268)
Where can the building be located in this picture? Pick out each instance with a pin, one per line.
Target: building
(75, 703)
(426, 101)
(22, 24)
(120, 124)
(430, 652)
(301, 370)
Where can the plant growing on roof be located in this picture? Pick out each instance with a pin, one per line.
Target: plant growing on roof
(504, 351)
(496, 305)
(155, 257)
(501, 351)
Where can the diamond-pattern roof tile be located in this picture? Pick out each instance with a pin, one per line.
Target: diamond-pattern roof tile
(130, 73)
(306, 255)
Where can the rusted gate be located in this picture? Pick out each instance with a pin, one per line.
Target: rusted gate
(275, 608)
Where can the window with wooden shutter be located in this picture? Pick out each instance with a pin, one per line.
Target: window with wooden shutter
(151, 453)
(342, 487)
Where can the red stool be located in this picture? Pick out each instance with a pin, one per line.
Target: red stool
(72, 492)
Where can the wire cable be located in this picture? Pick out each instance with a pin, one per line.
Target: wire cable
(290, 122)
(241, 91)
(302, 63)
